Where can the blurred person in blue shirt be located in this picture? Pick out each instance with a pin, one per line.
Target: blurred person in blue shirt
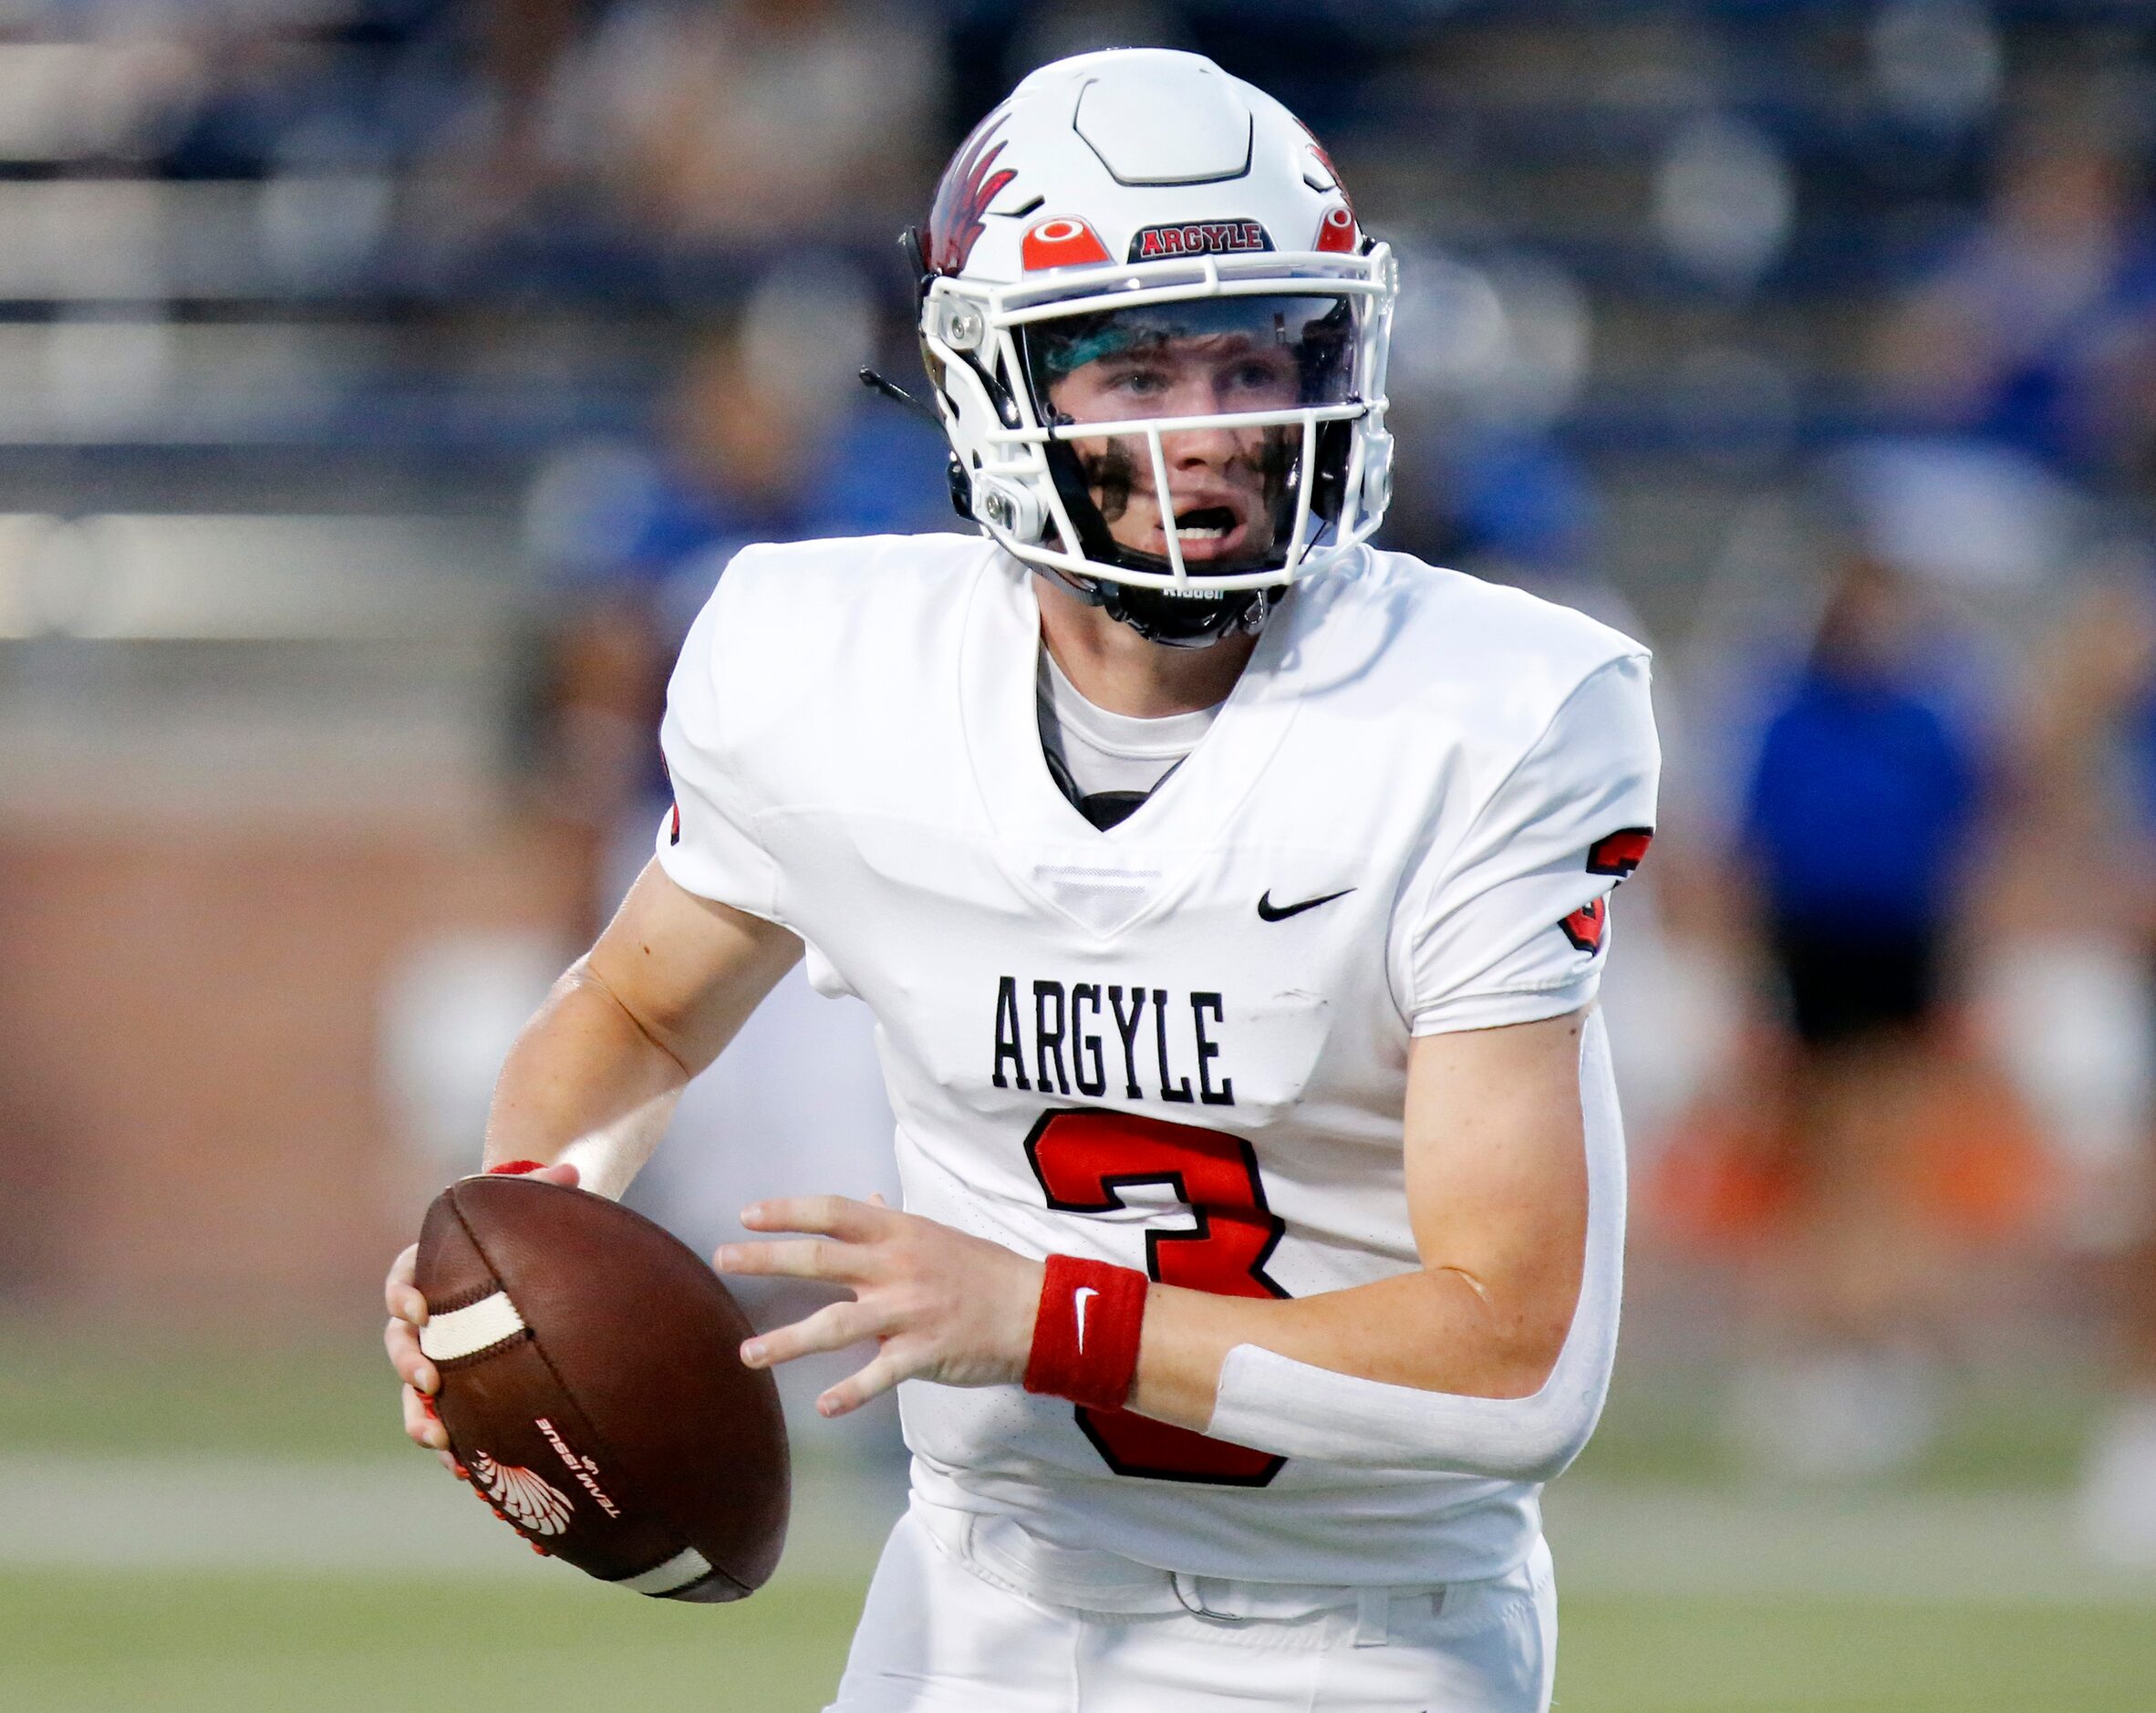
(750, 447)
(632, 539)
(1860, 813)
(1857, 820)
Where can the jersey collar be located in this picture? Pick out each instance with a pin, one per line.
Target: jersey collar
(1107, 880)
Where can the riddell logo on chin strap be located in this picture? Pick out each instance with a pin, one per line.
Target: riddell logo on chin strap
(1198, 237)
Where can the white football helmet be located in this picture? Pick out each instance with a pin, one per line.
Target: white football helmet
(1114, 202)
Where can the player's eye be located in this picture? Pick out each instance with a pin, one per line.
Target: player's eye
(1258, 376)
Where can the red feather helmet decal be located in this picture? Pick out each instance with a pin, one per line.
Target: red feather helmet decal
(970, 184)
(1338, 187)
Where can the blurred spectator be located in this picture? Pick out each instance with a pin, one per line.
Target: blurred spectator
(765, 435)
(2088, 780)
(585, 132)
(503, 149)
(636, 540)
(2070, 906)
(1855, 831)
(765, 120)
(1856, 816)
(2036, 331)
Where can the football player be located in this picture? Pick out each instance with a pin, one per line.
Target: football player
(1231, 898)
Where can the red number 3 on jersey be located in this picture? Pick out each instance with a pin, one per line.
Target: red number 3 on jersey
(1083, 1157)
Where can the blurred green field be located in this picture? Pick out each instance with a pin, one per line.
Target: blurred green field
(205, 1395)
(71, 1644)
(94, 1394)
(1682, 1589)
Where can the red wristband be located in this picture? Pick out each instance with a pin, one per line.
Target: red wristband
(1085, 1334)
(515, 1169)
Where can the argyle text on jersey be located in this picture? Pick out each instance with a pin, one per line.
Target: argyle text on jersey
(1075, 1038)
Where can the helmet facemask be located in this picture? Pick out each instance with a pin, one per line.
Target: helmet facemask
(1223, 495)
(1241, 393)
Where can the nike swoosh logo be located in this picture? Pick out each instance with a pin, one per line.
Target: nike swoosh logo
(1269, 911)
(1084, 1291)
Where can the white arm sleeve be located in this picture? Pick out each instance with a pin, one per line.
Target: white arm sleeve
(1272, 1403)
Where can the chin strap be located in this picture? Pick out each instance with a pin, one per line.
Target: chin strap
(1174, 621)
(1183, 622)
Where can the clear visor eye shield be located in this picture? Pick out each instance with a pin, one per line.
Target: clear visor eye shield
(1103, 371)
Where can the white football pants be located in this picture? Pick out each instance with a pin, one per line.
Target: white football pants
(943, 1635)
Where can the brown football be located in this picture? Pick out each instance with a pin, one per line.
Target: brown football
(593, 1393)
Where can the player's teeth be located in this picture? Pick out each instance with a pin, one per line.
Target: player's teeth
(1183, 533)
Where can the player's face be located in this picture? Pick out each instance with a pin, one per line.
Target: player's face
(1221, 480)
(1224, 481)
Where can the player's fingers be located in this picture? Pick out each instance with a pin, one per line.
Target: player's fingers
(874, 1380)
(561, 1173)
(807, 1258)
(832, 1216)
(402, 1342)
(400, 1294)
(421, 1424)
(831, 1327)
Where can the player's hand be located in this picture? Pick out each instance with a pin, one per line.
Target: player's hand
(942, 1305)
(400, 1337)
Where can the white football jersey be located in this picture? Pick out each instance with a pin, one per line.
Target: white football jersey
(1179, 1044)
